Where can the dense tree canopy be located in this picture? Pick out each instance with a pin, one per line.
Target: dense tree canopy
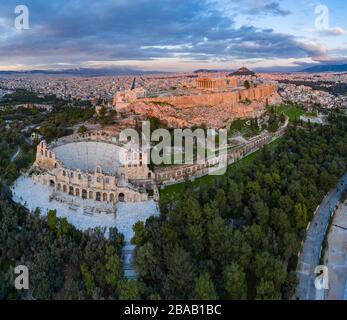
(64, 263)
(239, 237)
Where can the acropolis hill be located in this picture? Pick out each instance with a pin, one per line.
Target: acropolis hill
(215, 102)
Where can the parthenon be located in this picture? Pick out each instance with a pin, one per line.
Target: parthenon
(215, 83)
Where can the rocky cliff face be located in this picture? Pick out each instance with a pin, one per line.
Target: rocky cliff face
(216, 111)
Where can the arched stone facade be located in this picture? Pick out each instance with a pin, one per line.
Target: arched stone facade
(103, 183)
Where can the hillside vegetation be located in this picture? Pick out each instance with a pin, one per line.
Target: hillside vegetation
(238, 236)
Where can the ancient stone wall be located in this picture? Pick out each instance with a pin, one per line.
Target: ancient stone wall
(95, 135)
(92, 191)
(45, 157)
(177, 173)
(217, 99)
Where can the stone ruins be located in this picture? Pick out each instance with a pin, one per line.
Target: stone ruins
(217, 103)
(167, 175)
(94, 167)
(215, 83)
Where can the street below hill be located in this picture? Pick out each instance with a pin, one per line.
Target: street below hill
(311, 250)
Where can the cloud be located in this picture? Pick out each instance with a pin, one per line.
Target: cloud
(337, 31)
(272, 8)
(249, 7)
(313, 49)
(77, 32)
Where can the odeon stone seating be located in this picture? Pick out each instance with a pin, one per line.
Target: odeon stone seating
(87, 155)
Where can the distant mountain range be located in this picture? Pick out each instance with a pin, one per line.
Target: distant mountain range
(239, 72)
(326, 68)
(119, 71)
(211, 70)
(83, 72)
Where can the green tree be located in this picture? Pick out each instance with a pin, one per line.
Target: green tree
(113, 267)
(195, 234)
(139, 233)
(88, 280)
(266, 291)
(219, 240)
(204, 288)
(63, 227)
(147, 263)
(179, 278)
(235, 283)
(52, 219)
(129, 290)
(234, 197)
(301, 216)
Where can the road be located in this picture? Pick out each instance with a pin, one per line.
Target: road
(336, 255)
(311, 251)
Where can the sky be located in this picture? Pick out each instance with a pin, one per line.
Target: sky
(174, 35)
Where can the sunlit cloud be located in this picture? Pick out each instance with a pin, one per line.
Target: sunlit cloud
(165, 34)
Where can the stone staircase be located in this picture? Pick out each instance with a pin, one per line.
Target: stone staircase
(128, 261)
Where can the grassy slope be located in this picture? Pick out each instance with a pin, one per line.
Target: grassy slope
(291, 111)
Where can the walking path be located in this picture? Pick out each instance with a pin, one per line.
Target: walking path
(311, 251)
(128, 261)
(15, 156)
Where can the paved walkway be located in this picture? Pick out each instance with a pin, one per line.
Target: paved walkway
(311, 251)
(15, 156)
(128, 261)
